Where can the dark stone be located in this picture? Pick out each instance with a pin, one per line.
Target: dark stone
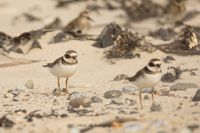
(75, 94)
(120, 77)
(168, 59)
(60, 37)
(130, 102)
(146, 97)
(6, 123)
(156, 108)
(165, 34)
(172, 75)
(183, 86)
(117, 101)
(196, 97)
(96, 99)
(112, 94)
(82, 101)
(63, 115)
(106, 37)
(129, 89)
(193, 127)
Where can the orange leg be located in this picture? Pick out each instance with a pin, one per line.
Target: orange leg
(66, 86)
(152, 95)
(140, 96)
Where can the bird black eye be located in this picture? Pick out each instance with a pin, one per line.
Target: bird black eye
(67, 56)
(151, 64)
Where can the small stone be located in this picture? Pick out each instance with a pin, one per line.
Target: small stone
(157, 123)
(96, 99)
(74, 130)
(128, 101)
(185, 130)
(59, 37)
(117, 101)
(78, 102)
(129, 89)
(146, 97)
(196, 97)
(120, 77)
(74, 95)
(8, 95)
(20, 111)
(14, 93)
(124, 111)
(112, 94)
(6, 123)
(193, 127)
(63, 115)
(183, 86)
(15, 100)
(168, 59)
(156, 108)
(132, 127)
(147, 90)
(29, 84)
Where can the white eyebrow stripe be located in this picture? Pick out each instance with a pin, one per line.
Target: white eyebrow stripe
(157, 62)
(73, 54)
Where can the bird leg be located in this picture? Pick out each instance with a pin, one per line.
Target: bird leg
(152, 95)
(65, 89)
(58, 91)
(140, 96)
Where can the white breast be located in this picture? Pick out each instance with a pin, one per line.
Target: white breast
(148, 81)
(60, 70)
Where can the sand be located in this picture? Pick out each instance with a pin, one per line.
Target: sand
(94, 77)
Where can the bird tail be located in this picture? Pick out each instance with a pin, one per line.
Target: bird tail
(45, 65)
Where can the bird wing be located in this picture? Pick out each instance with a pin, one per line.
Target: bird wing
(71, 26)
(140, 73)
(53, 63)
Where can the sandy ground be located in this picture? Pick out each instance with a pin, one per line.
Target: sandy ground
(94, 77)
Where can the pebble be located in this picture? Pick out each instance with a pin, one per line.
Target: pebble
(129, 90)
(193, 127)
(15, 99)
(117, 101)
(146, 97)
(13, 93)
(112, 94)
(74, 95)
(128, 101)
(74, 130)
(182, 86)
(156, 108)
(120, 77)
(147, 90)
(132, 128)
(96, 99)
(78, 102)
(8, 95)
(158, 123)
(196, 97)
(185, 130)
(59, 37)
(124, 111)
(168, 59)
(63, 115)
(6, 123)
(29, 84)
(80, 111)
